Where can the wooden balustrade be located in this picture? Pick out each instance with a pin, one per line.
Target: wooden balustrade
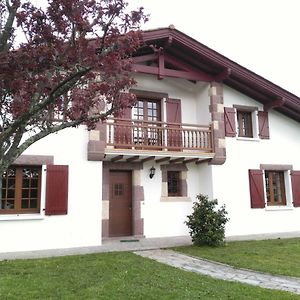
(147, 135)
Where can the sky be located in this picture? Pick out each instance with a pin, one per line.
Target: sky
(261, 35)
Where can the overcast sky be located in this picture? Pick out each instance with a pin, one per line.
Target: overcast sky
(261, 35)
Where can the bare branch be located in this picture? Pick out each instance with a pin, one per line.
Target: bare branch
(6, 34)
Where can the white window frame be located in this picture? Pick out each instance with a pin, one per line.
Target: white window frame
(254, 119)
(287, 187)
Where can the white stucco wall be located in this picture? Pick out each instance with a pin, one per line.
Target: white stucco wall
(228, 183)
(166, 218)
(82, 225)
(231, 183)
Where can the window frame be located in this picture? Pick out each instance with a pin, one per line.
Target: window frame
(18, 191)
(244, 123)
(269, 180)
(253, 119)
(287, 183)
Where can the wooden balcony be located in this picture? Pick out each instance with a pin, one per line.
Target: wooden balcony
(157, 136)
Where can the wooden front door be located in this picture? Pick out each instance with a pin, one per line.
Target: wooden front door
(120, 203)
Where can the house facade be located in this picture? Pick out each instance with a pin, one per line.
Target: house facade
(201, 124)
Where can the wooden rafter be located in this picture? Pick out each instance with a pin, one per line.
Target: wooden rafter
(162, 159)
(203, 161)
(133, 158)
(172, 73)
(148, 158)
(191, 160)
(145, 58)
(223, 75)
(277, 103)
(116, 158)
(176, 160)
(184, 70)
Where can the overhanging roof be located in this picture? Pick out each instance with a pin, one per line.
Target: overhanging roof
(204, 61)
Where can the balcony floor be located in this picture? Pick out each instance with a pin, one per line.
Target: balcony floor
(133, 155)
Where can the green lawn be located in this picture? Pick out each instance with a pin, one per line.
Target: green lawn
(280, 256)
(116, 276)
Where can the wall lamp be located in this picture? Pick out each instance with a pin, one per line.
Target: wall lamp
(152, 172)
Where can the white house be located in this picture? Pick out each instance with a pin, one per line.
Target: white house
(202, 124)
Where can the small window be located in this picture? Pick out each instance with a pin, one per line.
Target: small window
(244, 123)
(275, 188)
(174, 186)
(21, 189)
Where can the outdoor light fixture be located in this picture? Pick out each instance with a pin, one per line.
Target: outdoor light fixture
(152, 172)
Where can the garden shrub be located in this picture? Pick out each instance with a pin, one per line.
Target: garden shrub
(206, 223)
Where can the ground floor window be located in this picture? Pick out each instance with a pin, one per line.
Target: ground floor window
(21, 190)
(275, 189)
(174, 183)
(274, 185)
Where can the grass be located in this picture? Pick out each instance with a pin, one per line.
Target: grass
(116, 276)
(280, 256)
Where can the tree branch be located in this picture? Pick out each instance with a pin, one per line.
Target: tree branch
(62, 88)
(11, 156)
(8, 28)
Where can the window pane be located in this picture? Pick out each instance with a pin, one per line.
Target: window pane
(25, 203)
(10, 204)
(33, 203)
(33, 193)
(277, 187)
(11, 183)
(25, 193)
(25, 183)
(34, 183)
(10, 193)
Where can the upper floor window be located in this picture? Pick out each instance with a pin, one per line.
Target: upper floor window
(21, 190)
(147, 110)
(244, 123)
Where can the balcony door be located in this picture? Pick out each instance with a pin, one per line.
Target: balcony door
(147, 129)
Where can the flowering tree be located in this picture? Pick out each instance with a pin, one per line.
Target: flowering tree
(70, 66)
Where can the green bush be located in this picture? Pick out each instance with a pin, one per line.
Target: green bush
(206, 223)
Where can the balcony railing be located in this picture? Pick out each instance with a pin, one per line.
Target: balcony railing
(147, 135)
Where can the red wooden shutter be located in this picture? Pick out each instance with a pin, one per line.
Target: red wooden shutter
(173, 110)
(256, 182)
(229, 121)
(57, 190)
(263, 125)
(122, 133)
(173, 107)
(295, 176)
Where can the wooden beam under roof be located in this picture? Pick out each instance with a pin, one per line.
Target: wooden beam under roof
(162, 159)
(189, 75)
(148, 158)
(203, 161)
(180, 159)
(133, 158)
(116, 158)
(191, 160)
